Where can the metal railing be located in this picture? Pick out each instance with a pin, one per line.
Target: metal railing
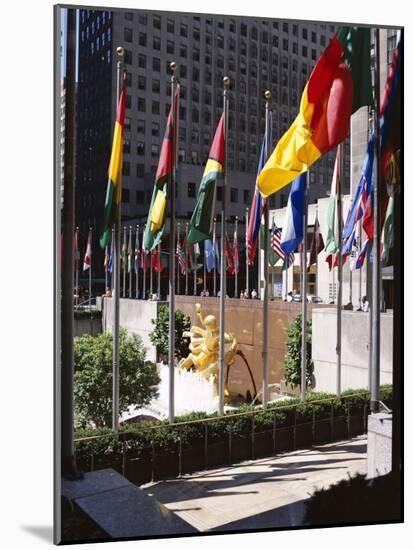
(140, 465)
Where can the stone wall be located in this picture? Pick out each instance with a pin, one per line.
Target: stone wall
(355, 349)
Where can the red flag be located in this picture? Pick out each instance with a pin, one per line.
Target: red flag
(236, 263)
(156, 261)
(230, 264)
(317, 244)
(87, 260)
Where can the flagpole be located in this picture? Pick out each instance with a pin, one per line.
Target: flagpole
(130, 263)
(77, 267)
(123, 264)
(90, 269)
(376, 272)
(259, 247)
(215, 259)
(265, 348)
(360, 269)
(151, 289)
(317, 255)
(226, 83)
(178, 262)
(236, 270)
(144, 275)
(303, 290)
(159, 273)
(286, 276)
(186, 259)
(136, 262)
(195, 274)
(273, 268)
(247, 251)
(106, 266)
(204, 270)
(112, 264)
(117, 276)
(171, 284)
(340, 273)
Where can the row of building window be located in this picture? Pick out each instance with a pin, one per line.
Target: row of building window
(191, 193)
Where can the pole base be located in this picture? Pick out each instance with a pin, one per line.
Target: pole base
(374, 406)
(70, 469)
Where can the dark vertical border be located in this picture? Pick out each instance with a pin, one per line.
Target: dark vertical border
(57, 531)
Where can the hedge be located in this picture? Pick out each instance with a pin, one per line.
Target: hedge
(138, 436)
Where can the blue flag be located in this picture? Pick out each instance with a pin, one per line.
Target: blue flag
(111, 255)
(209, 255)
(292, 232)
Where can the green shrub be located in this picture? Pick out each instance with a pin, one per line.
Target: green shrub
(293, 357)
(159, 336)
(93, 377)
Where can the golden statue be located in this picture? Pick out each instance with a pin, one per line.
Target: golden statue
(204, 349)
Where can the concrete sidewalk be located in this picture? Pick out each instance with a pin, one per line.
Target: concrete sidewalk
(262, 493)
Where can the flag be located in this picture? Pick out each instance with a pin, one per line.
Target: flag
(106, 259)
(201, 223)
(76, 252)
(256, 210)
(114, 185)
(339, 85)
(130, 252)
(336, 259)
(182, 256)
(137, 253)
(317, 244)
(124, 254)
(87, 260)
(388, 231)
(361, 256)
(144, 257)
(292, 232)
(275, 248)
(363, 191)
(230, 264)
(157, 211)
(209, 255)
(157, 261)
(111, 255)
(331, 244)
(218, 262)
(236, 264)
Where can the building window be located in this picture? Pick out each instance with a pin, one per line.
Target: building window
(275, 41)
(155, 129)
(156, 43)
(125, 168)
(295, 47)
(140, 170)
(170, 47)
(304, 51)
(313, 36)
(196, 35)
(141, 148)
(141, 104)
(285, 27)
(156, 87)
(314, 55)
(191, 190)
(182, 133)
(233, 194)
(219, 193)
(128, 16)
(183, 71)
(183, 50)
(156, 64)
(127, 146)
(170, 25)
(196, 74)
(128, 101)
(142, 82)
(142, 61)
(142, 19)
(246, 196)
(125, 195)
(127, 57)
(194, 115)
(141, 126)
(142, 39)
(139, 197)
(182, 113)
(194, 137)
(127, 123)
(194, 157)
(155, 149)
(156, 21)
(183, 30)
(155, 107)
(128, 35)
(323, 40)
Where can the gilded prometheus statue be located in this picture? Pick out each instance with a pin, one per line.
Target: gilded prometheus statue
(204, 349)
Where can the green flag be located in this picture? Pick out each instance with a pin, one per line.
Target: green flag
(388, 231)
(332, 245)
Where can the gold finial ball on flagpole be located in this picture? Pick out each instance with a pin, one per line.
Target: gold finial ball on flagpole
(173, 66)
(268, 94)
(120, 52)
(226, 80)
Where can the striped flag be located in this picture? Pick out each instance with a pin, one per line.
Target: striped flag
(144, 258)
(87, 260)
(317, 244)
(361, 256)
(181, 256)
(157, 261)
(256, 210)
(114, 185)
(292, 232)
(275, 243)
(230, 264)
(236, 263)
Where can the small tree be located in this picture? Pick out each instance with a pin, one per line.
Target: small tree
(159, 336)
(93, 377)
(293, 357)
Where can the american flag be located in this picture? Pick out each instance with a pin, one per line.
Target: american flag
(275, 245)
(181, 256)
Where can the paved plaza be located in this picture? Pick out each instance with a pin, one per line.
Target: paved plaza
(266, 493)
